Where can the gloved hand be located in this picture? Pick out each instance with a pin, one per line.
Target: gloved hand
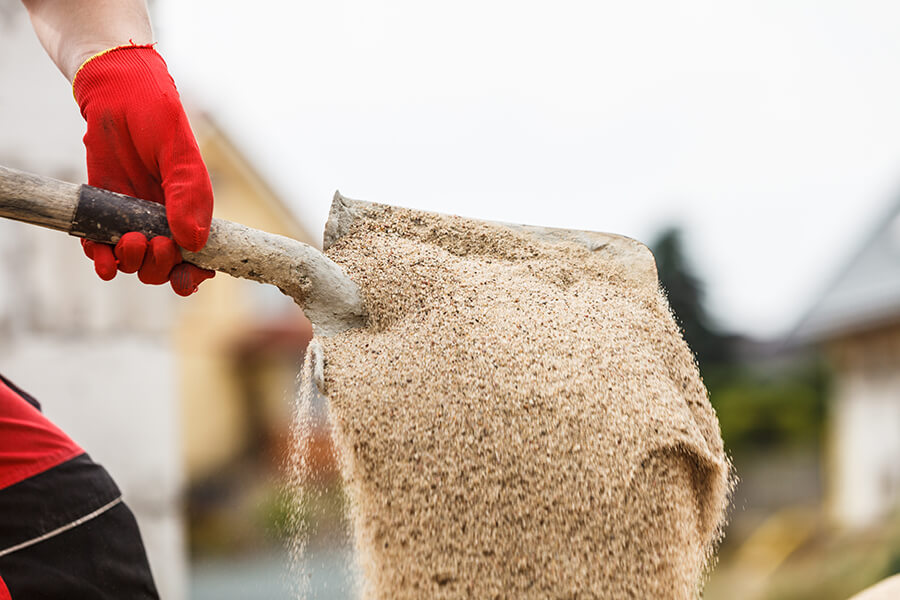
(139, 143)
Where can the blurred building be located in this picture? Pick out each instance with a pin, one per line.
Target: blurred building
(162, 391)
(240, 343)
(857, 322)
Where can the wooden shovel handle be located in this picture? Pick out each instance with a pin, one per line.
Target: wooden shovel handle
(328, 297)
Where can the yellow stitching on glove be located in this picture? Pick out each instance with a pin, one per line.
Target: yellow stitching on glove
(130, 44)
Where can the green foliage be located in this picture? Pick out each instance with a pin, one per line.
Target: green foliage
(759, 410)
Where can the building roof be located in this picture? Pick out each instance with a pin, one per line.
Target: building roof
(865, 293)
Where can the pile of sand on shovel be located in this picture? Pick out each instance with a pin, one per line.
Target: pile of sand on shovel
(520, 418)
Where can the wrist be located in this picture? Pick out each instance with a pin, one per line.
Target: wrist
(79, 56)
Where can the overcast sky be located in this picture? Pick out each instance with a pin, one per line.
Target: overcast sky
(770, 130)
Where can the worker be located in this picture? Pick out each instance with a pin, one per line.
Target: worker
(64, 530)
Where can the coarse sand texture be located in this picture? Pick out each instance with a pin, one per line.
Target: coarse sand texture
(520, 418)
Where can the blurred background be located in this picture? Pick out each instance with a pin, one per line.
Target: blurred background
(755, 147)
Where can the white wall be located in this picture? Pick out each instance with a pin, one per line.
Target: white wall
(97, 355)
(40, 124)
(865, 451)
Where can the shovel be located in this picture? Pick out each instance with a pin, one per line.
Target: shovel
(669, 421)
(328, 297)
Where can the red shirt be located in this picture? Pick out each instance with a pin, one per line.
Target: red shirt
(29, 442)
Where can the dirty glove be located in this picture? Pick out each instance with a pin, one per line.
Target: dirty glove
(139, 143)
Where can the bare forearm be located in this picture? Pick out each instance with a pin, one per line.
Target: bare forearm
(72, 31)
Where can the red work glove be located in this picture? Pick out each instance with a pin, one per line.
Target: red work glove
(139, 143)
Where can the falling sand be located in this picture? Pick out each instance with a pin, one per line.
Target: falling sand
(520, 418)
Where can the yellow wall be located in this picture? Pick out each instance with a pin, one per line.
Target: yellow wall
(213, 321)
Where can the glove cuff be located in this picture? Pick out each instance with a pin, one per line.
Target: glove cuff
(114, 65)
